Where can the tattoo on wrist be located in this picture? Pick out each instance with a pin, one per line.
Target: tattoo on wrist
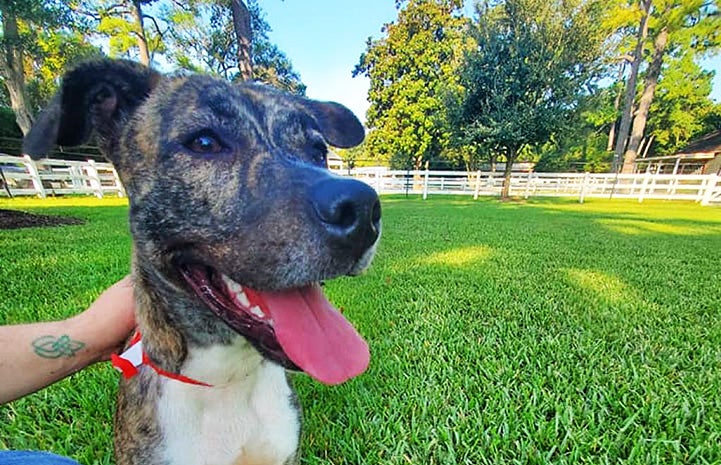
(56, 347)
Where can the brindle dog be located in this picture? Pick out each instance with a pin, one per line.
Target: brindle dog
(236, 221)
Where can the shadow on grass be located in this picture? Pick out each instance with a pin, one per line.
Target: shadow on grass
(535, 332)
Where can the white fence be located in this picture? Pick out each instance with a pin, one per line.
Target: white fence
(24, 176)
(705, 189)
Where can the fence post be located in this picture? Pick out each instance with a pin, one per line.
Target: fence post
(94, 179)
(584, 186)
(35, 176)
(701, 190)
(425, 184)
(478, 185)
(710, 188)
(646, 178)
(118, 184)
(527, 193)
(77, 178)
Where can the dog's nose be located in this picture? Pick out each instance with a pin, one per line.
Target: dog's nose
(349, 210)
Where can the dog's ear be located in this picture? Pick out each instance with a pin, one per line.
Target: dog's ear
(338, 124)
(97, 95)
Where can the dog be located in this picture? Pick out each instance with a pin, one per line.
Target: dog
(236, 222)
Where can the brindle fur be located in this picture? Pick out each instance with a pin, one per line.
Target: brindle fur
(239, 210)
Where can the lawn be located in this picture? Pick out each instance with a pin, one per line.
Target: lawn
(535, 332)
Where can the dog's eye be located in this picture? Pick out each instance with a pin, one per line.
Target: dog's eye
(319, 152)
(205, 143)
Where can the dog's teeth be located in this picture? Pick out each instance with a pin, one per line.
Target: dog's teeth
(232, 285)
(235, 287)
(242, 298)
(255, 310)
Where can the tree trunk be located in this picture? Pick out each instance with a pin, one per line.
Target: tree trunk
(11, 68)
(243, 34)
(143, 51)
(625, 125)
(644, 153)
(649, 89)
(511, 155)
(616, 106)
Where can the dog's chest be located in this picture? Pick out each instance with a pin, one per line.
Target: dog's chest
(250, 421)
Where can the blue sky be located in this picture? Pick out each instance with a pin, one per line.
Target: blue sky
(325, 38)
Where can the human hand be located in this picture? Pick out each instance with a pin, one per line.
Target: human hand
(110, 319)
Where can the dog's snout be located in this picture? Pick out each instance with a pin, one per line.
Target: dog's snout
(349, 211)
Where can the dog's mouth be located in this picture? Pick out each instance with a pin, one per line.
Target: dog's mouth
(297, 328)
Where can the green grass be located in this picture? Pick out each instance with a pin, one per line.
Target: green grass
(538, 332)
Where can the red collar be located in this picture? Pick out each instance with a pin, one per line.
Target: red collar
(134, 356)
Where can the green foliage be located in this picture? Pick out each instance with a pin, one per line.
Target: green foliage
(581, 144)
(694, 25)
(352, 156)
(712, 118)
(49, 13)
(680, 105)
(38, 40)
(537, 332)
(526, 77)
(202, 39)
(117, 23)
(8, 126)
(55, 51)
(679, 31)
(410, 70)
(583, 152)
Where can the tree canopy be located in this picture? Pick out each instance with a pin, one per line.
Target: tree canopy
(526, 76)
(543, 80)
(40, 39)
(558, 82)
(409, 70)
(209, 45)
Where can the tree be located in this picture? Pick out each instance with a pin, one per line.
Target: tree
(630, 93)
(351, 156)
(53, 52)
(681, 106)
(203, 39)
(582, 144)
(22, 22)
(244, 37)
(678, 27)
(125, 24)
(527, 74)
(409, 70)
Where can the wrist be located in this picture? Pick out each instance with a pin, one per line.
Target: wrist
(84, 343)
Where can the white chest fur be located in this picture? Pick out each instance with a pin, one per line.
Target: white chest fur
(246, 418)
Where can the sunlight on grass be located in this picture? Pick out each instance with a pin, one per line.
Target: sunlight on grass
(20, 203)
(464, 256)
(532, 332)
(602, 285)
(641, 227)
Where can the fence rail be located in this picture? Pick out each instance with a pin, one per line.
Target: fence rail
(705, 189)
(23, 176)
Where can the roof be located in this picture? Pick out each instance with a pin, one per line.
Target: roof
(709, 143)
(684, 157)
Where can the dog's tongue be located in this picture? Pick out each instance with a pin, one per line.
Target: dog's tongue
(315, 336)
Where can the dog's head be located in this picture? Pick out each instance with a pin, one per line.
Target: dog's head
(231, 202)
